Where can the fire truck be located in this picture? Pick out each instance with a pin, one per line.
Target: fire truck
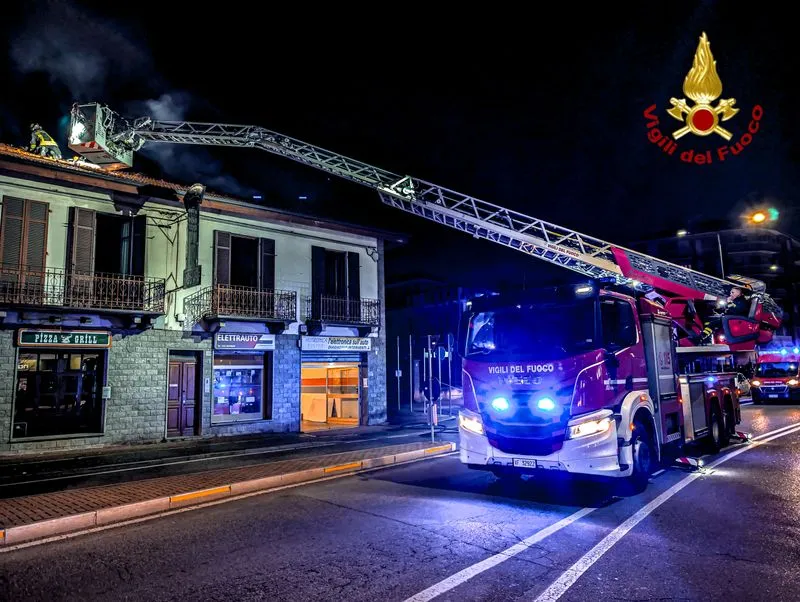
(776, 376)
(605, 377)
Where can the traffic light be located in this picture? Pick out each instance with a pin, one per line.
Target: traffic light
(764, 216)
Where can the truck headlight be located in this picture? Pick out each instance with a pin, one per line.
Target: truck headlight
(755, 383)
(468, 423)
(793, 382)
(590, 427)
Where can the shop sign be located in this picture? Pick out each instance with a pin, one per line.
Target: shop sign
(335, 344)
(63, 338)
(244, 341)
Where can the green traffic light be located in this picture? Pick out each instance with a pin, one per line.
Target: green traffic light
(773, 214)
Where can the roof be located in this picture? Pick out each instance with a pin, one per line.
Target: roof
(81, 173)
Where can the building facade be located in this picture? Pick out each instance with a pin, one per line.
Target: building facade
(135, 310)
(761, 253)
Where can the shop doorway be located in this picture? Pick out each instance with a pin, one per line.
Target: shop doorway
(331, 395)
(183, 407)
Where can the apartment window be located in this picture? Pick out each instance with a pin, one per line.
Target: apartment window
(244, 261)
(23, 235)
(335, 284)
(106, 243)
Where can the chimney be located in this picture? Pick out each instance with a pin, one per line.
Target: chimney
(191, 201)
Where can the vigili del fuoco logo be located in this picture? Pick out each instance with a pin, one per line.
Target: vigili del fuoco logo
(700, 116)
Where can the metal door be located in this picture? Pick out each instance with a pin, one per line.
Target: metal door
(182, 399)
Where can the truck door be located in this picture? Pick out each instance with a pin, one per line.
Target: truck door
(662, 376)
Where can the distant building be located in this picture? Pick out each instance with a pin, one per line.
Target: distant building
(761, 253)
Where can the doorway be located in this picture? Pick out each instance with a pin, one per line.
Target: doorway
(182, 395)
(330, 395)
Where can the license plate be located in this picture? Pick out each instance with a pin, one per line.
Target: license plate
(524, 463)
(772, 396)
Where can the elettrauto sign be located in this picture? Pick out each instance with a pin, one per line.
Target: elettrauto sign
(244, 341)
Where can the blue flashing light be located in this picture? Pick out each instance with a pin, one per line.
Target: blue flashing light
(257, 197)
(546, 404)
(783, 351)
(796, 350)
(711, 379)
(500, 404)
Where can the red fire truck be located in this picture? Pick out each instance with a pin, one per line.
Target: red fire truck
(599, 378)
(777, 376)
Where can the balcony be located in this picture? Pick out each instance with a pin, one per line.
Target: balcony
(245, 303)
(97, 291)
(339, 311)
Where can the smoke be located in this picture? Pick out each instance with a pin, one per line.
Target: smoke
(83, 53)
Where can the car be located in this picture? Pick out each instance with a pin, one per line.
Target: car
(743, 384)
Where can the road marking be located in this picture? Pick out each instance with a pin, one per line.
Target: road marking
(484, 565)
(133, 521)
(658, 472)
(198, 494)
(568, 578)
(778, 430)
(348, 466)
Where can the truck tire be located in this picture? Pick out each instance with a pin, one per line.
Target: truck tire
(643, 456)
(716, 430)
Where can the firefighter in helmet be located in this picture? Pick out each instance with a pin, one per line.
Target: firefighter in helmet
(42, 143)
(737, 304)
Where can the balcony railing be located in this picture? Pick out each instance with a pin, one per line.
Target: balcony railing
(340, 310)
(224, 300)
(56, 287)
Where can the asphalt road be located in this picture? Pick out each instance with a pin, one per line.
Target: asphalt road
(729, 534)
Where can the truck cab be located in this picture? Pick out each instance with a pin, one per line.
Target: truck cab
(776, 376)
(582, 379)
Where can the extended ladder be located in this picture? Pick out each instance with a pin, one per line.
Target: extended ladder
(589, 256)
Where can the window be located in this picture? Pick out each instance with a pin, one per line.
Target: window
(335, 284)
(244, 261)
(23, 235)
(619, 325)
(58, 393)
(242, 387)
(120, 240)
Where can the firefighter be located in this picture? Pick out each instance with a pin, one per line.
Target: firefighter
(42, 143)
(736, 305)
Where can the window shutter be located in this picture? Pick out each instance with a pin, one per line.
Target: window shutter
(267, 271)
(138, 246)
(11, 233)
(82, 222)
(317, 280)
(222, 257)
(354, 286)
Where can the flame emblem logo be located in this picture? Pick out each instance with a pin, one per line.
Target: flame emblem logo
(703, 86)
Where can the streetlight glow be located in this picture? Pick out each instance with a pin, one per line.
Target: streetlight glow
(758, 217)
(682, 233)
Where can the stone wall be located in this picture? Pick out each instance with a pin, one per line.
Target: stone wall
(376, 362)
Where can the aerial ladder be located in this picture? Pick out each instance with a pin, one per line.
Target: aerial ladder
(105, 138)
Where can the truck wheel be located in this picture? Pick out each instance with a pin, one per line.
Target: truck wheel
(716, 430)
(643, 456)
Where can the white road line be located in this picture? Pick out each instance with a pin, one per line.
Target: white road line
(568, 578)
(778, 430)
(484, 565)
(658, 472)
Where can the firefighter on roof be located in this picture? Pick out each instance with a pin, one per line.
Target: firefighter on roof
(42, 143)
(735, 305)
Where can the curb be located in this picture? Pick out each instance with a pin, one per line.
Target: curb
(115, 514)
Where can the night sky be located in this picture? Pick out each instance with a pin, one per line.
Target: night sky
(540, 111)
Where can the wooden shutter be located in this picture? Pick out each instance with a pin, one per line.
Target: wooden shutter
(353, 276)
(138, 245)
(317, 280)
(82, 228)
(353, 287)
(222, 257)
(267, 267)
(11, 232)
(35, 235)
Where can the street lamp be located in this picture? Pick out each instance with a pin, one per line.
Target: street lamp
(763, 216)
(759, 217)
(682, 232)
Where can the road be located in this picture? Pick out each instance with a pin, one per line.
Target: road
(434, 530)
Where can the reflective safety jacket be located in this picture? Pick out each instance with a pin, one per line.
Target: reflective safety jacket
(41, 138)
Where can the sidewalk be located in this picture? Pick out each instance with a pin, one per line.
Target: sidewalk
(39, 516)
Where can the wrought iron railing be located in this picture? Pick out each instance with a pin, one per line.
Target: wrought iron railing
(56, 287)
(241, 302)
(341, 310)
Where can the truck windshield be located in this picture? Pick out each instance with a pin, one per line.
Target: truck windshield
(776, 369)
(532, 332)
